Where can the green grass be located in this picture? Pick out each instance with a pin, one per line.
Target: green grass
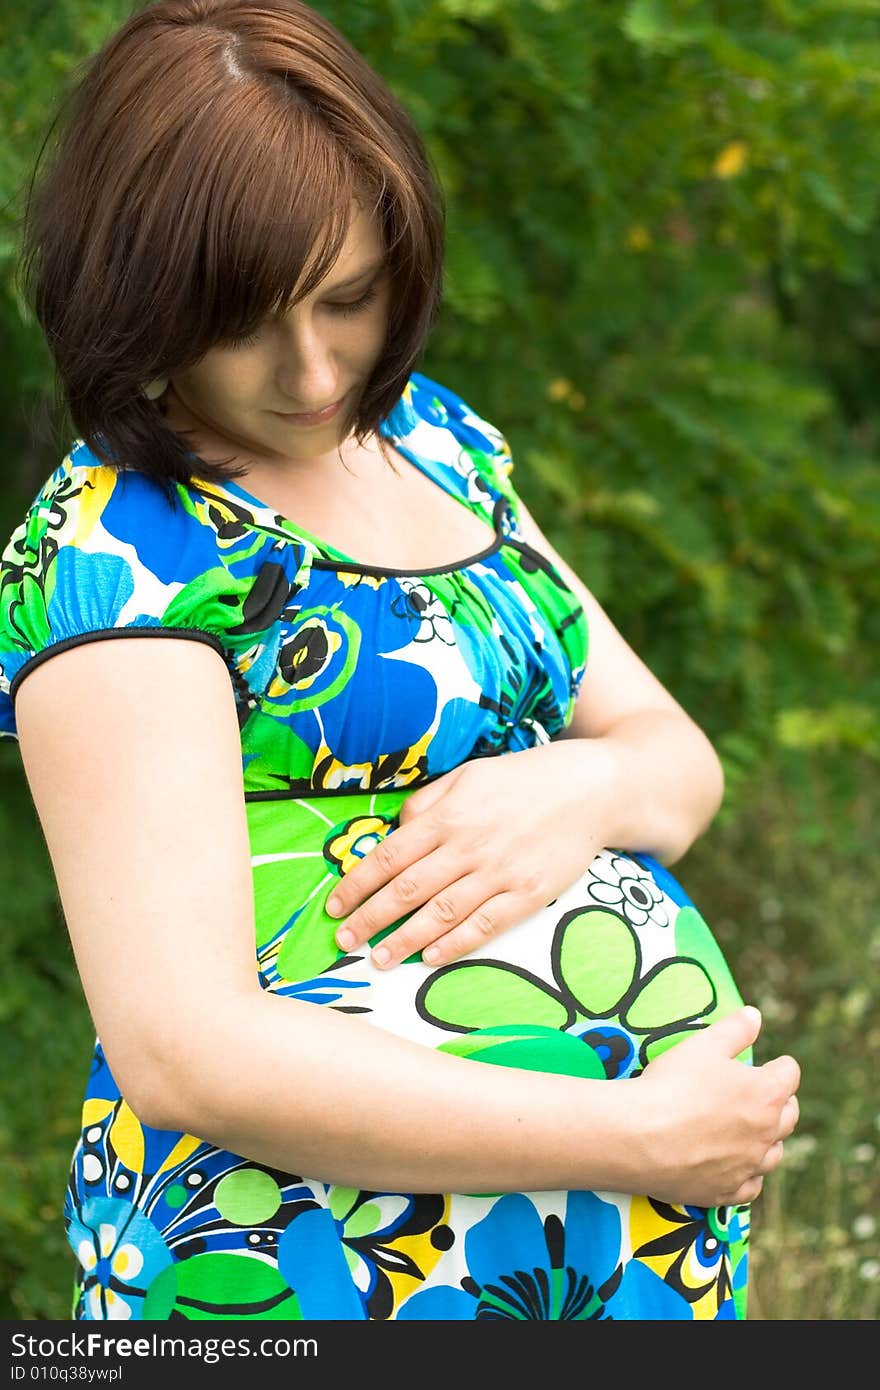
(46, 1039)
(791, 887)
(792, 892)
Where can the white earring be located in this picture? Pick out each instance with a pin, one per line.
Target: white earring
(154, 389)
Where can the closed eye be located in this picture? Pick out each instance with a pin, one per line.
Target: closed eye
(342, 307)
(355, 306)
(249, 340)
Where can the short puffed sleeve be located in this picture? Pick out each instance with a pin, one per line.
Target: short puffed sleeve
(470, 455)
(469, 452)
(104, 553)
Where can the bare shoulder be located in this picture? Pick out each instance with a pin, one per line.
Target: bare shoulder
(132, 755)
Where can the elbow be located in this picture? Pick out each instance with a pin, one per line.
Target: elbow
(701, 812)
(141, 1091)
(152, 1085)
(152, 1108)
(192, 1073)
(713, 784)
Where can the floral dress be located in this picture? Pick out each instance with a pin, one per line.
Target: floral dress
(355, 685)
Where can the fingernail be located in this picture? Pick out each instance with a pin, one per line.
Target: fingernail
(381, 955)
(430, 954)
(333, 907)
(345, 939)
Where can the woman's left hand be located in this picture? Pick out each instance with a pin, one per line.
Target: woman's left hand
(478, 850)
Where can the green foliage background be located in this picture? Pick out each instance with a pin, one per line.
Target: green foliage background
(663, 283)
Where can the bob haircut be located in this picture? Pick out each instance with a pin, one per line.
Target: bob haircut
(213, 150)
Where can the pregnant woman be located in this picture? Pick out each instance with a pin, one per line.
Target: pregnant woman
(364, 873)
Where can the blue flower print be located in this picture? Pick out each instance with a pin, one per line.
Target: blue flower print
(120, 1252)
(526, 1269)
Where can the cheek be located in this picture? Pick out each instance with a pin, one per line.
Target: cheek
(371, 337)
(234, 383)
(362, 337)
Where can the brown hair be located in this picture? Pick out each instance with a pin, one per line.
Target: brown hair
(213, 149)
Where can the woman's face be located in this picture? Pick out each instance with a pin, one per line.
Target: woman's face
(239, 397)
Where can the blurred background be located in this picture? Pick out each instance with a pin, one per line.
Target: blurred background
(663, 285)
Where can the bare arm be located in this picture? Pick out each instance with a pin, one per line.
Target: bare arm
(663, 782)
(138, 788)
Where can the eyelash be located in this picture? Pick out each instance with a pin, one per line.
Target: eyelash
(356, 306)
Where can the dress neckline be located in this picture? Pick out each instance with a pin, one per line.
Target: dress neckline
(329, 556)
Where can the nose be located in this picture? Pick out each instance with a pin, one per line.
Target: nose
(306, 374)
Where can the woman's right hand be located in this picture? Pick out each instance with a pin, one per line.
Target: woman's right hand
(714, 1126)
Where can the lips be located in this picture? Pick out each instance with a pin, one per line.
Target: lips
(310, 417)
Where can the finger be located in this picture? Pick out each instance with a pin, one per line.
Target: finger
(381, 863)
(791, 1113)
(733, 1034)
(483, 924)
(772, 1158)
(451, 904)
(423, 881)
(748, 1191)
(428, 795)
(785, 1073)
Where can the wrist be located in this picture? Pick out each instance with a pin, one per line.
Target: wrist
(627, 1150)
(603, 794)
(645, 789)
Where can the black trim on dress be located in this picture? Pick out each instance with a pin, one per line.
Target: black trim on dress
(414, 572)
(102, 633)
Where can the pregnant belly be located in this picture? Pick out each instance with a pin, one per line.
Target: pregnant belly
(617, 968)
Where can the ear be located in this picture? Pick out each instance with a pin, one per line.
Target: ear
(154, 389)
